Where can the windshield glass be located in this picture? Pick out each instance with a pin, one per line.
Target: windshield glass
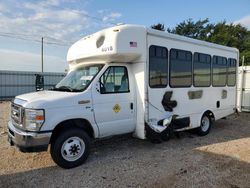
(79, 79)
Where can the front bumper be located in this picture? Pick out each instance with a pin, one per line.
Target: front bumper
(28, 141)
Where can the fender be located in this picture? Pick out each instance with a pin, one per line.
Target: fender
(55, 116)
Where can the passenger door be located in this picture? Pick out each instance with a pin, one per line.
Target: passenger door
(113, 102)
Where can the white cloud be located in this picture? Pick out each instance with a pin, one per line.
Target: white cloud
(25, 61)
(3, 8)
(43, 20)
(101, 11)
(58, 16)
(41, 4)
(50, 3)
(111, 17)
(50, 18)
(245, 21)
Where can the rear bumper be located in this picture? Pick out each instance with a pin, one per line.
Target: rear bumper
(28, 141)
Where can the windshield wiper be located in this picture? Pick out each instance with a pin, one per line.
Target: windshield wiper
(65, 88)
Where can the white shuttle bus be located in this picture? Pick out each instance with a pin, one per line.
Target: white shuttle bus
(127, 79)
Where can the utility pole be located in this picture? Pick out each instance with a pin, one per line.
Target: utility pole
(42, 54)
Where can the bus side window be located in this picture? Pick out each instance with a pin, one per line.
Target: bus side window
(202, 70)
(219, 71)
(231, 72)
(158, 67)
(180, 68)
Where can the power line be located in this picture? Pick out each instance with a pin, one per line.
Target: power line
(19, 36)
(56, 41)
(59, 40)
(29, 37)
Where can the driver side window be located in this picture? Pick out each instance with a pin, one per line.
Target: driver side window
(114, 80)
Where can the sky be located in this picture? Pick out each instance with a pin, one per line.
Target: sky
(62, 22)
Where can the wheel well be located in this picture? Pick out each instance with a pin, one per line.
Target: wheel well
(210, 114)
(73, 123)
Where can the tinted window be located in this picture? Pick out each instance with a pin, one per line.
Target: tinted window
(158, 67)
(114, 80)
(231, 72)
(219, 71)
(202, 70)
(180, 68)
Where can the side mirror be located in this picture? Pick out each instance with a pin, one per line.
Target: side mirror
(97, 86)
(39, 82)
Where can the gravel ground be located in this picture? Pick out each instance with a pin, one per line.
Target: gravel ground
(220, 159)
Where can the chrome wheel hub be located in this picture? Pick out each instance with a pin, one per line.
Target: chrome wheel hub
(205, 123)
(72, 149)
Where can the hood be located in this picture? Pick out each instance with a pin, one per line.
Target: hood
(50, 99)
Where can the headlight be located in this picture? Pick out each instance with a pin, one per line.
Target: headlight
(33, 119)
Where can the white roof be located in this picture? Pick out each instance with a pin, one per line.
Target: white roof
(158, 33)
(124, 43)
(110, 44)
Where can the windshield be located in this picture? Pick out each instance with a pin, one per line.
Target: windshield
(79, 79)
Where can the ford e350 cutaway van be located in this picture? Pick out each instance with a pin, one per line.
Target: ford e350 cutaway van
(127, 79)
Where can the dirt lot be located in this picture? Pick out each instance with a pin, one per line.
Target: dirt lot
(220, 159)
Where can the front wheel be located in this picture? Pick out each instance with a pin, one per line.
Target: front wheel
(71, 148)
(205, 125)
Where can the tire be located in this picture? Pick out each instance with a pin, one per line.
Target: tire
(153, 136)
(205, 125)
(165, 135)
(71, 148)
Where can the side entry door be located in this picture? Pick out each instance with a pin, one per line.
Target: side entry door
(113, 102)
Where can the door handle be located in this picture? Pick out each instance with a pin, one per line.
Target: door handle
(131, 106)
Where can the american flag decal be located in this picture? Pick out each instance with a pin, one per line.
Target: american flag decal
(133, 44)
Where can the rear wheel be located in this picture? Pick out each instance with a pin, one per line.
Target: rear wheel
(205, 125)
(71, 148)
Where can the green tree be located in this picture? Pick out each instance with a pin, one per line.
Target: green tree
(221, 33)
(231, 35)
(198, 30)
(246, 55)
(159, 26)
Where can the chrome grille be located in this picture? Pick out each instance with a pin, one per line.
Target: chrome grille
(16, 114)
